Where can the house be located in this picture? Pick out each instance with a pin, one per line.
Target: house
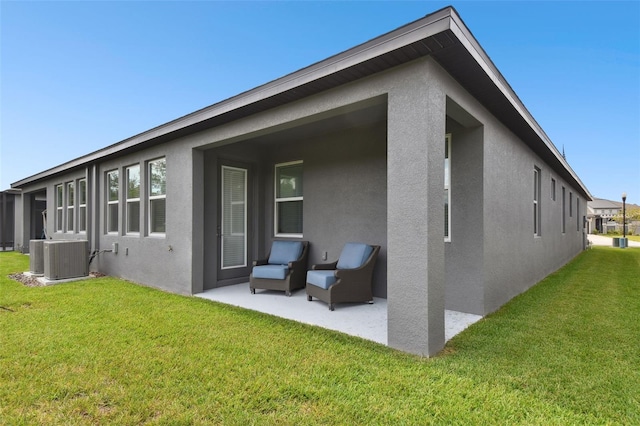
(7, 219)
(601, 213)
(412, 141)
(603, 216)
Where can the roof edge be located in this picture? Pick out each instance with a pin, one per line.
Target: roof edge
(430, 24)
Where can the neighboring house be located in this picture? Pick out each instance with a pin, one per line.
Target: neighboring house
(600, 214)
(604, 216)
(413, 141)
(7, 219)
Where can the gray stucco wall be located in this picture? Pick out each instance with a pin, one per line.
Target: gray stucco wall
(416, 284)
(389, 176)
(464, 252)
(494, 255)
(164, 261)
(344, 175)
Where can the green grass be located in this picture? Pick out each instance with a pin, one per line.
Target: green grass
(630, 237)
(105, 351)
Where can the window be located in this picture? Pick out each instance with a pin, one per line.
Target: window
(577, 214)
(564, 209)
(447, 188)
(157, 196)
(113, 197)
(553, 189)
(82, 205)
(70, 207)
(536, 201)
(133, 199)
(234, 217)
(570, 204)
(288, 199)
(59, 204)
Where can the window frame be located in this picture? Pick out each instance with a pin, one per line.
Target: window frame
(133, 200)
(151, 198)
(537, 204)
(447, 188)
(82, 207)
(564, 209)
(110, 202)
(59, 202)
(70, 207)
(245, 210)
(553, 189)
(278, 200)
(570, 204)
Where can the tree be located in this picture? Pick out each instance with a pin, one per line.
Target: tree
(632, 216)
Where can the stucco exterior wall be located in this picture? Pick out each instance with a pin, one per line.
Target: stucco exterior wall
(464, 251)
(164, 261)
(344, 175)
(498, 258)
(380, 183)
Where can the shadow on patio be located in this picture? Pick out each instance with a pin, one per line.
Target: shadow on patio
(357, 319)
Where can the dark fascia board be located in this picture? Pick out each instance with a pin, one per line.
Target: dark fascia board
(446, 19)
(415, 31)
(464, 35)
(12, 191)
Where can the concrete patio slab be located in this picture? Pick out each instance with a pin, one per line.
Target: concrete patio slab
(356, 319)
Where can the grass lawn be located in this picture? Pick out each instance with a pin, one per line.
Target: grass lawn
(105, 351)
(630, 237)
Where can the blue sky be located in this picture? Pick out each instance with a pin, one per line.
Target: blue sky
(78, 76)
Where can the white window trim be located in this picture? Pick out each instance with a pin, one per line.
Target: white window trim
(59, 218)
(244, 203)
(132, 200)
(564, 210)
(155, 197)
(537, 183)
(110, 202)
(281, 200)
(82, 206)
(70, 208)
(447, 187)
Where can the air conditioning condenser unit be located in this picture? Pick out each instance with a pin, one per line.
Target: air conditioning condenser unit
(66, 259)
(36, 257)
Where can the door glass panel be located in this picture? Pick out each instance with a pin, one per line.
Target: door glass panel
(234, 218)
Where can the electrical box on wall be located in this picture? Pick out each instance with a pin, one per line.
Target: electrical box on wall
(114, 248)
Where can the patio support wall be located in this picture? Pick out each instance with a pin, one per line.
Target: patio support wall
(415, 221)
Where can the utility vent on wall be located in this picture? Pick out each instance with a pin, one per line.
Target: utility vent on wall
(66, 259)
(36, 257)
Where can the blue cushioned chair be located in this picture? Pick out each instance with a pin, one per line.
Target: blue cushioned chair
(284, 269)
(349, 279)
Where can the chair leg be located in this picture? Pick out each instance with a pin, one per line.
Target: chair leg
(253, 291)
(331, 306)
(370, 302)
(287, 293)
(309, 298)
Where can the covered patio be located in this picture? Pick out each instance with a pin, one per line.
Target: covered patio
(357, 319)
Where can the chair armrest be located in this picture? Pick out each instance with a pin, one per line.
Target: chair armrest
(260, 262)
(325, 266)
(351, 274)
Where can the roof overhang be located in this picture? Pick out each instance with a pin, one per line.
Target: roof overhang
(441, 35)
